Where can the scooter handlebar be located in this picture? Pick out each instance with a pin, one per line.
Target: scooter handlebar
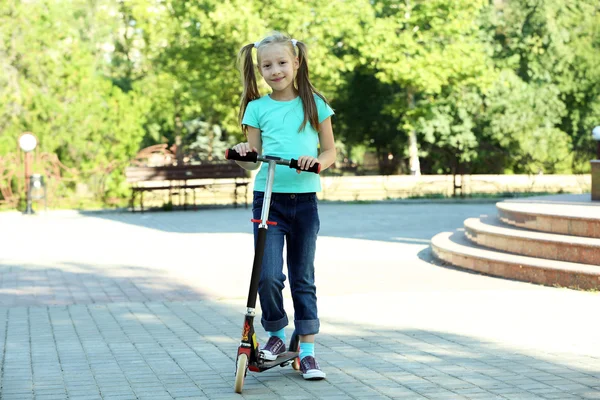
(315, 168)
(251, 156)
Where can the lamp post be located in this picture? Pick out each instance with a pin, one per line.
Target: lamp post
(596, 136)
(27, 143)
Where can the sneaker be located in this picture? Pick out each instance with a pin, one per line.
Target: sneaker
(274, 347)
(310, 369)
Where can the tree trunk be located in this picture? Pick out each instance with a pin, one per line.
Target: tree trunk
(413, 148)
(178, 140)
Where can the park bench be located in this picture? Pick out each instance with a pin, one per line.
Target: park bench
(179, 180)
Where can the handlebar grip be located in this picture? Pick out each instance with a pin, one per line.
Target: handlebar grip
(231, 154)
(315, 168)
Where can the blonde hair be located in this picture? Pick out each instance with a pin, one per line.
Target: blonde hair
(306, 90)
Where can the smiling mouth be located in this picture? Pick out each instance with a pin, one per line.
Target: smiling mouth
(277, 80)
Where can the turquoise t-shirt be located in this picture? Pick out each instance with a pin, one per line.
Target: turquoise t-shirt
(279, 122)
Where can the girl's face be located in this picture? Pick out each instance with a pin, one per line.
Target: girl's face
(278, 66)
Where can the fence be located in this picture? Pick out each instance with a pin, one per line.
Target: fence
(65, 186)
(374, 188)
(403, 186)
(334, 188)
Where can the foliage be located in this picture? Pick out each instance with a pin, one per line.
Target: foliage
(553, 47)
(54, 88)
(474, 86)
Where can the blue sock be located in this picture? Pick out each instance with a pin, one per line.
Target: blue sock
(280, 334)
(307, 349)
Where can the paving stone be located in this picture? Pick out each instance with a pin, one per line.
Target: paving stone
(130, 325)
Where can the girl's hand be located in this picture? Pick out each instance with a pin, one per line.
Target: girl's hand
(243, 148)
(305, 162)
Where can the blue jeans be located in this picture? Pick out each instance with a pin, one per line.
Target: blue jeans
(298, 223)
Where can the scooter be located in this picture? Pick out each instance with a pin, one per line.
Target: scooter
(249, 356)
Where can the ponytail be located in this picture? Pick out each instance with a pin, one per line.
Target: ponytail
(306, 90)
(246, 65)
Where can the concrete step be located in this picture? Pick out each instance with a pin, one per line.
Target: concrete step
(454, 248)
(564, 219)
(492, 233)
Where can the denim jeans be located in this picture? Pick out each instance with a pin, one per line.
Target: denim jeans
(298, 223)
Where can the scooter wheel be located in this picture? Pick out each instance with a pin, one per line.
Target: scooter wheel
(240, 372)
(296, 364)
(295, 343)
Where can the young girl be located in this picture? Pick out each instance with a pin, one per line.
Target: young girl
(290, 122)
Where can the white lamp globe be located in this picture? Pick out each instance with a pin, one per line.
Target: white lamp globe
(596, 133)
(27, 142)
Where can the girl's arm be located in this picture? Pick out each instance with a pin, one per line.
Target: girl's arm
(328, 153)
(254, 144)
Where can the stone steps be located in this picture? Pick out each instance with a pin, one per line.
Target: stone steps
(543, 242)
(454, 248)
(490, 232)
(565, 219)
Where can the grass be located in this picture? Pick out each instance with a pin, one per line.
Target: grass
(66, 204)
(90, 204)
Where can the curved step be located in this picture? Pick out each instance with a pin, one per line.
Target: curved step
(454, 248)
(564, 219)
(491, 233)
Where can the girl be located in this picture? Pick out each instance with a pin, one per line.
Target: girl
(290, 122)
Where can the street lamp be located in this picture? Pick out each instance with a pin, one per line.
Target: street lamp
(27, 143)
(596, 166)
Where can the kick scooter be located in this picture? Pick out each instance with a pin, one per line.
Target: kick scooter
(249, 355)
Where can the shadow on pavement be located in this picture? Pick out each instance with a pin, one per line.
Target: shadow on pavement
(392, 222)
(187, 350)
(427, 256)
(79, 283)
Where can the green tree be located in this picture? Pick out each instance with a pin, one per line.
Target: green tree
(554, 47)
(509, 127)
(424, 47)
(360, 120)
(192, 74)
(55, 91)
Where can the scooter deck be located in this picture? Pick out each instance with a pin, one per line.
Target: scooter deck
(283, 357)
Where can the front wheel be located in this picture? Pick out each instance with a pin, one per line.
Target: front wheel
(296, 364)
(295, 346)
(240, 372)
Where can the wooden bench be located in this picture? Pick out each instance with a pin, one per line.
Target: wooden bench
(179, 179)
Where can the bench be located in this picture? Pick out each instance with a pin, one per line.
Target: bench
(179, 179)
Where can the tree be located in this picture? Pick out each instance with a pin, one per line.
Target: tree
(554, 47)
(360, 121)
(424, 47)
(53, 88)
(509, 127)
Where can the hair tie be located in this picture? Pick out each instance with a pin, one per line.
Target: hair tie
(256, 44)
(294, 41)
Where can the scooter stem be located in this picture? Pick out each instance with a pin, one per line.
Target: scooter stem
(264, 216)
(261, 240)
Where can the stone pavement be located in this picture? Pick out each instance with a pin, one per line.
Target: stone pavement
(150, 306)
